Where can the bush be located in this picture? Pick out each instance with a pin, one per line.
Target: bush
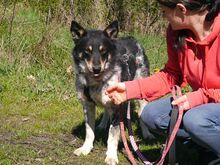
(142, 16)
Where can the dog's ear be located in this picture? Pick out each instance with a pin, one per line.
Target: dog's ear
(112, 30)
(77, 31)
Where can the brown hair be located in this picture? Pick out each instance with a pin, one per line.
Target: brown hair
(213, 7)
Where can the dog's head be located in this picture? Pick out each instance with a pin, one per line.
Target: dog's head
(94, 50)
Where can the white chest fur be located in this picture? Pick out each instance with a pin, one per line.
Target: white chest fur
(97, 92)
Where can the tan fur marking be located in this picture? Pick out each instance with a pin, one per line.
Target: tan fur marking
(81, 32)
(89, 64)
(89, 49)
(102, 49)
(80, 55)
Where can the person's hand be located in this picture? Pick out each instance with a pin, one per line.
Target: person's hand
(117, 93)
(182, 102)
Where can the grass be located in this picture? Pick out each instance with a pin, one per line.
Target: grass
(41, 118)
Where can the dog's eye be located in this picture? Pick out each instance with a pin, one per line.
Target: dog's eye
(102, 50)
(86, 54)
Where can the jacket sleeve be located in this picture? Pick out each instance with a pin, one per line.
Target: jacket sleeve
(203, 96)
(159, 84)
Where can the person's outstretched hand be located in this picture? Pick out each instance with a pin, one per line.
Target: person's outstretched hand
(117, 93)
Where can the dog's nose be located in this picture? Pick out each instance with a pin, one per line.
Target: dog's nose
(96, 69)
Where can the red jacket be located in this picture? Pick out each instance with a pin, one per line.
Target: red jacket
(198, 65)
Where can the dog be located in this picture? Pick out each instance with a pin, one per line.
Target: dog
(101, 58)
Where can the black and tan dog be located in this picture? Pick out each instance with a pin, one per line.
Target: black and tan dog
(99, 59)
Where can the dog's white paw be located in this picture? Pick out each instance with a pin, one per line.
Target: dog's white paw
(82, 151)
(111, 160)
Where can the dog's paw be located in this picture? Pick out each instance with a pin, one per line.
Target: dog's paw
(111, 160)
(82, 151)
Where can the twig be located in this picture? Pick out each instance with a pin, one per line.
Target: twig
(72, 8)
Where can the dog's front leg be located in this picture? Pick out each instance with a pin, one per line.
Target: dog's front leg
(89, 113)
(113, 139)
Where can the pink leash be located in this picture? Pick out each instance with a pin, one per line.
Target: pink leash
(123, 136)
(176, 92)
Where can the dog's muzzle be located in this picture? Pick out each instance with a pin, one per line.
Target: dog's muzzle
(96, 70)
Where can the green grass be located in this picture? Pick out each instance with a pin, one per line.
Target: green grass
(41, 118)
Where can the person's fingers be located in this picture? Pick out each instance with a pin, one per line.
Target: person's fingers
(179, 100)
(116, 101)
(120, 97)
(111, 88)
(185, 105)
(182, 102)
(117, 98)
(116, 92)
(113, 94)
(110, 95)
